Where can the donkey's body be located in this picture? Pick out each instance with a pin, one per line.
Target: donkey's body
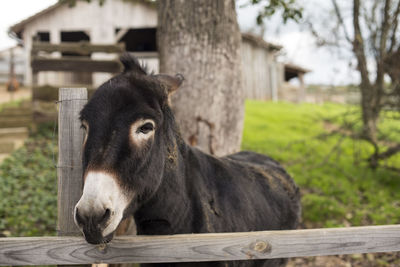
(206, 194)
(173, 188)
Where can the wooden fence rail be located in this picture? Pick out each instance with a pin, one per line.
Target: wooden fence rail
(81, 48)
(201, 247)
(68, 250)
(75, 64)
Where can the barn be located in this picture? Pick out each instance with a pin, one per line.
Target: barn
(134, 24)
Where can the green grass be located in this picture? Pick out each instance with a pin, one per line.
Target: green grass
(337, 186)
(11, 104)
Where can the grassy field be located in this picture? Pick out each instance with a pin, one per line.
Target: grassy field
(338, 188)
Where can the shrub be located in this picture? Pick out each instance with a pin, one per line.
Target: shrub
(28, 187)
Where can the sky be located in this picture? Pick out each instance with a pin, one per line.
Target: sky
(299, 44)
(13, 11)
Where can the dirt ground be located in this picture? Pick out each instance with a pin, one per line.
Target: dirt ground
(355, 260)
(22, 93)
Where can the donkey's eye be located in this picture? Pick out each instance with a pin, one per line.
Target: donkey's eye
(84, 125)
(141, 131)
(146, 128)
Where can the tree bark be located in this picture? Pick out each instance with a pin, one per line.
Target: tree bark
(201, 40)
(370, 100)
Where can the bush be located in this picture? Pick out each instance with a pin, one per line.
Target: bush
(28, 188)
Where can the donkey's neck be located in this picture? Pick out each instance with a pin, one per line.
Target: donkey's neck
(168, 211)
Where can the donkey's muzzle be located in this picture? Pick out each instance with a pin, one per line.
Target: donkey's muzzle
(92, 224)
(96, 237)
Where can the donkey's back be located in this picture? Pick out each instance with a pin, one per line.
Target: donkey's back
(241, 192)
(277, 185)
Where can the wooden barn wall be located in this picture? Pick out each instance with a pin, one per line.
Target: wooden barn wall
(261, 73)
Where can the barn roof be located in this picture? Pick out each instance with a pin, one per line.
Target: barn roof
(18, 28)
(292, 71)
(258, 41)
(296, 68)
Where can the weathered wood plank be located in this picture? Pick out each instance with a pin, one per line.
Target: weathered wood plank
(75, 64)
(70, 139)
(201, 247)
(50, 93)
(80, 48)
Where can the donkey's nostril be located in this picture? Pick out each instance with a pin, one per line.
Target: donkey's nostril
(106, 215)
(93, 218)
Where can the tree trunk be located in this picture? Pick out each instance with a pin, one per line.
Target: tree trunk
(370, 95)
(370, 112)
(201, 40)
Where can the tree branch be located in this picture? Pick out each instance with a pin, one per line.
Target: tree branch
(372, 26)
(321, 41)
(358, 47)
(387, 154)
(385, 26)
(341, 21)
(395, 23)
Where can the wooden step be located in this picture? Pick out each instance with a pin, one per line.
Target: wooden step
(16, 112)
(18, 132)
(12, 122)
(6, 146)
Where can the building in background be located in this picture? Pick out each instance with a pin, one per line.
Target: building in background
(264, 76)
(134, 24)
(16, 54)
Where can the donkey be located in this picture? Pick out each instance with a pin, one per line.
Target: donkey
(137, 164)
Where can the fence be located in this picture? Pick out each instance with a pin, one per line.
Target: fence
(68, 248)
(74, 60)
(79, 62)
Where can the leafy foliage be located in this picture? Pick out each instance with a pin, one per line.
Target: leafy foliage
(28, 188)
(289, 8)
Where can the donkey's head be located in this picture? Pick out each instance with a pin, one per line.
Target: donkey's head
(129, 128)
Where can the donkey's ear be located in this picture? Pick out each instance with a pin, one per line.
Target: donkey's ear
(131, 63)
(171, 82)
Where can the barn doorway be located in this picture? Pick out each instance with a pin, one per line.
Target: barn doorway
(138, 40)
(42, 37)
(75, 78)
(141, 42)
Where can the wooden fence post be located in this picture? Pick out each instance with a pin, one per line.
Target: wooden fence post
(69, 169)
